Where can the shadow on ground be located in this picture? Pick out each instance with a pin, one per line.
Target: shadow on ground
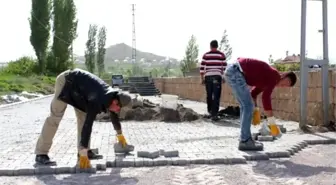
(286, 168)
(113, 177)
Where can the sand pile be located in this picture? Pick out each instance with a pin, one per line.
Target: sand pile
(144, 110)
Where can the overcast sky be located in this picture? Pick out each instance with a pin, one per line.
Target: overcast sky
(256, 28)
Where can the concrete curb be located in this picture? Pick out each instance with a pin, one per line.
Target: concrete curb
(27, 101)
(144, 162)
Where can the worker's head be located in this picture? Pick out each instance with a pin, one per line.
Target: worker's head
(213, 45)
(288, 79)
(122, 101)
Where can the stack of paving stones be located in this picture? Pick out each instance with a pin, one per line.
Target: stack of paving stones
(142, 85)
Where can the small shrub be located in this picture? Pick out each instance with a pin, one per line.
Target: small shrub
(24, 66)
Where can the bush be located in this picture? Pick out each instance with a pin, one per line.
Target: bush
(287, 67)
(24, 66)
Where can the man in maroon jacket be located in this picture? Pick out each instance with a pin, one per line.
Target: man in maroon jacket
(263, 78)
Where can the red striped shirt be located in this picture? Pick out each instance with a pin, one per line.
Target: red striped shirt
(213, 63)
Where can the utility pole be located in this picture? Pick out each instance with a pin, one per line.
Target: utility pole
(133, 38)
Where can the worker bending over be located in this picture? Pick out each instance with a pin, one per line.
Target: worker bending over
(89, 95)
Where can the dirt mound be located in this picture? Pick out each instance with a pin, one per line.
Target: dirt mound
(148, 111)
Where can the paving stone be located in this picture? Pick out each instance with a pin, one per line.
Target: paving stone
(101, 167)
(181, 161)
(139, 162)
(148, 162)
(256, 157)
(89, 170)
(9, 172)
(172, 153)
(110, 164)
(24, 172)
(197, 161)
(265, 138)
(45, 170)
(65, 170)
(280, 154)
(160, 162)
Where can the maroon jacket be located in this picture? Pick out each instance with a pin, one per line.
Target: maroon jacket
(262, 77)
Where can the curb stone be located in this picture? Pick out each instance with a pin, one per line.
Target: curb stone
(26, 101)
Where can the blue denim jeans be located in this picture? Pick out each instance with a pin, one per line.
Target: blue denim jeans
(236, 80)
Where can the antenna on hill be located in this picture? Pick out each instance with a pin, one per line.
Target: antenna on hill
(133, 35)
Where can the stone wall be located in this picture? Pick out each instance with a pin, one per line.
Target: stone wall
(285, 100)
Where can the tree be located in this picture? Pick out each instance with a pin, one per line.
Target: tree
(101, 50)
(90, 52)
(40, 30)
(190, 59)
(224, 46)
(65, 32)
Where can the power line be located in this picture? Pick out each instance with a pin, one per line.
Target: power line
(45, 27)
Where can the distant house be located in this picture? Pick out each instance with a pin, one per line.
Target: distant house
(293, 59)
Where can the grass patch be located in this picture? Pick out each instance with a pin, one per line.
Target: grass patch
(10, 84)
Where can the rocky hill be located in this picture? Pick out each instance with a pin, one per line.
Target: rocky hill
(122, 51)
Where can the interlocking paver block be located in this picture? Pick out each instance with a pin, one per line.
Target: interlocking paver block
(101, 167)
(172, 153)
(45, 170)
(89, 170)
(139, 162)
(148, 162)
(65, 170)
(256, 157)
(265, 138)
(8, 172)
(24, 172)
(160, 162)
(110, 164)
(197, 161)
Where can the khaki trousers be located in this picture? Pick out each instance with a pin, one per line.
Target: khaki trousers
(57, 110)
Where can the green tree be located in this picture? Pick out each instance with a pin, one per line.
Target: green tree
(224, 46)
(190, 59)
(90, 52)
(101, 50)
(40, 30)
(65, 32)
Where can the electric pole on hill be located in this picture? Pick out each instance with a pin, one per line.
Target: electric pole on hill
(133, 38)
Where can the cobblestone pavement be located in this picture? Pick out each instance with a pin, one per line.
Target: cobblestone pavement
(21, 124)
(313, 166)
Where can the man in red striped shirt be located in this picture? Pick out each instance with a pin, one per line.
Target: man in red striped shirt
(212, 69)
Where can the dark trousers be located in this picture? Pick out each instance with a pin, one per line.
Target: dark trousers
(213, 87)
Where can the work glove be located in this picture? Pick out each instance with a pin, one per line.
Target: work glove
(256, 119)
(274, 129)
(122, 140)
(122, 146)
(84, 162)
